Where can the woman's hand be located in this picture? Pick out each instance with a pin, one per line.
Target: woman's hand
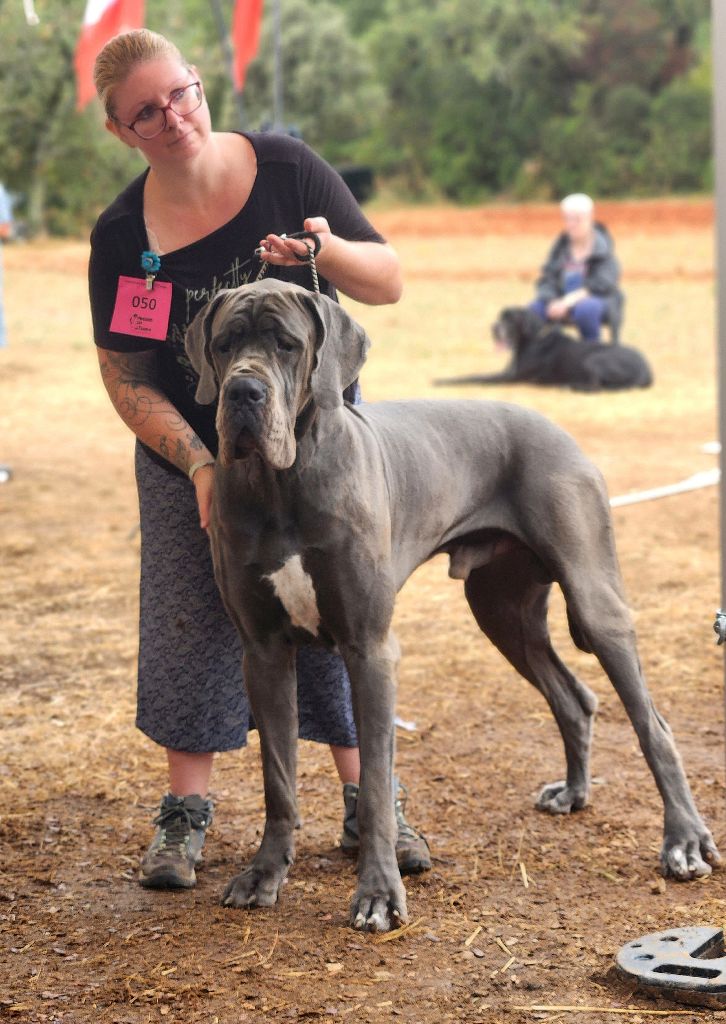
(280, 251)
(557, 309)
(204, 486)
(366, 271)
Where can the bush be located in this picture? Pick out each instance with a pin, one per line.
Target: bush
(679, 156)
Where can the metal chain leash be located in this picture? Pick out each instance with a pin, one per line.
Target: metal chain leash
(312, 252)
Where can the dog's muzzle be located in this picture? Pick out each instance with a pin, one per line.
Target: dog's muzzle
(246, 392)
(244, 401)
(499, 335)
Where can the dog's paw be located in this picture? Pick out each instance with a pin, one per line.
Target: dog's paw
(253, 887)
(379, 908)
(690, 854)
(559, 798)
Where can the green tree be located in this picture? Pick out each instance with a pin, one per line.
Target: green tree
(464, 98)
(50, 155)
(468, 83)
(63, 164)
(66, 167)
(679, 154)
(329, 90)
(363, 14)
(640, 118)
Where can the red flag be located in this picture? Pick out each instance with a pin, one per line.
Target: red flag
(246, 23)
(103, 20)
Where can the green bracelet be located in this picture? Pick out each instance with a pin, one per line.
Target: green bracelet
(198, 465)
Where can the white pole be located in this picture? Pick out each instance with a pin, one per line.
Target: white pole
(718, 20)
(30, 16)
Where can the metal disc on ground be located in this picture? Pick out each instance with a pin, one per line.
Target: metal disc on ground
(687, 965)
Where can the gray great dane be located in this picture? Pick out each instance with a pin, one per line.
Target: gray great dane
(321, 512)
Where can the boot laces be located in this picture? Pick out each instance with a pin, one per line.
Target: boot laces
(405, 831)
(176, 822)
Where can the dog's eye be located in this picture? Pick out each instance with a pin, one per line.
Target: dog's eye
(284, 346)
(224, 347)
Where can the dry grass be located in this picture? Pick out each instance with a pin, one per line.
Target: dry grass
(548, 901)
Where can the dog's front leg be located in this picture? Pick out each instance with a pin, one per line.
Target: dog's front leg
(270, 677)
(380, 900)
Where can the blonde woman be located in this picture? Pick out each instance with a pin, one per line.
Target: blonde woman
(180, 232)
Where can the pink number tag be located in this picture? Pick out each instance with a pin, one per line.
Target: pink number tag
(141, 312)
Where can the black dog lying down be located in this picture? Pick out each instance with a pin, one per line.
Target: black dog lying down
(542, 353)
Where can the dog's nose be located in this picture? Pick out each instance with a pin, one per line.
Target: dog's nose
(247, 391)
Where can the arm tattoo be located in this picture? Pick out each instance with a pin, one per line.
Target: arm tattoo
(132, 383)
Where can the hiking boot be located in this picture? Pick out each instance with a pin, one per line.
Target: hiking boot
(177, 846)
(412, 850)
(350, 840)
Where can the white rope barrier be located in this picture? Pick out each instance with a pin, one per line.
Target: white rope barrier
(706, 478)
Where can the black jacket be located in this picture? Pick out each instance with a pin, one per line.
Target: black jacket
(602, 270)
(602, 275)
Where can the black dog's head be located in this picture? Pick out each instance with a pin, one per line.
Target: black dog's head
(516, 327)
(266, 349)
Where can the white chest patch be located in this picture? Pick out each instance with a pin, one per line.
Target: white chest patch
(294, 587)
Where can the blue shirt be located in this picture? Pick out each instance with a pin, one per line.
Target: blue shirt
(6, 210)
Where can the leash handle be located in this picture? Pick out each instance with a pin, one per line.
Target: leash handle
(309, 258)
(315, 239)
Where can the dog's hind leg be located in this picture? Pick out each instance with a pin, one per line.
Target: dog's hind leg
(509, 597)
(572, 532)
(595, 602)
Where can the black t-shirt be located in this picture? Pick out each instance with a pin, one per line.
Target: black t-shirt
(292, 183)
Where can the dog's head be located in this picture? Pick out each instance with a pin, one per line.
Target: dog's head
(515, 327)
(266, 350)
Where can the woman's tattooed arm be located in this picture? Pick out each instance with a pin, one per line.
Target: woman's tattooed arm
(132, 385)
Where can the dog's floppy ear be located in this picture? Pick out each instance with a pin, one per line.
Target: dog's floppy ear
(340, 350)
(197, 341)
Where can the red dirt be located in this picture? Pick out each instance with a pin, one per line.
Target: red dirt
(664, 216)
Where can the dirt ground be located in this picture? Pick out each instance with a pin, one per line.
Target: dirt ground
(521, 916)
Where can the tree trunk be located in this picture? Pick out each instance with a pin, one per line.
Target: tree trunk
(60, 105)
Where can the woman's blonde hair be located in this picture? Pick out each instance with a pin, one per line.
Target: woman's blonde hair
(122, 53)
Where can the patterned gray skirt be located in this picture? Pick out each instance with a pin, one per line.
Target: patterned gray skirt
(191, 693)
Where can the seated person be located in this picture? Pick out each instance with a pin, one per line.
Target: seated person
(579, 281)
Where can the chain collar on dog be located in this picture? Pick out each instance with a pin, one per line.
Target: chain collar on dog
(312, 252)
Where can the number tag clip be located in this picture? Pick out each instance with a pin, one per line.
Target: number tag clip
(151, 264)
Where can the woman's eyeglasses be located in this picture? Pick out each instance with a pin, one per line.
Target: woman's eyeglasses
(152, 120)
